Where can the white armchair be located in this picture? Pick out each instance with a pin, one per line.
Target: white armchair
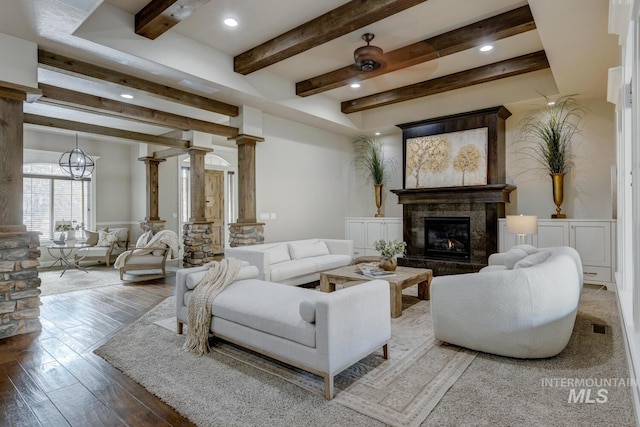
(150, 255)
(107, 244)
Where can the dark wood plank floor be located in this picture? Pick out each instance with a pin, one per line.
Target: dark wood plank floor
(52, 378)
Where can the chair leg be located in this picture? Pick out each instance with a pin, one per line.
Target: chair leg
(179, 327)
(385, 351)
(328, 386)
(121, 273)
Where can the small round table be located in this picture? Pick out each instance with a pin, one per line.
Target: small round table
(63, 256)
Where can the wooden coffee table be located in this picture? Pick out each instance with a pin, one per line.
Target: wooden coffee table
(404, 277)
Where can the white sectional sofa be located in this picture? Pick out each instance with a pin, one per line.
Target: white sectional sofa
(323, 333)
(523, 305)
(295, 262)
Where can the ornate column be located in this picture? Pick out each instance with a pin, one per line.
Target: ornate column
(246, 230)
(19, 282)
(152, 221)
(197, 233)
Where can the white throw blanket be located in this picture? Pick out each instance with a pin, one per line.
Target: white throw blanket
(161, 238)
(220, 274)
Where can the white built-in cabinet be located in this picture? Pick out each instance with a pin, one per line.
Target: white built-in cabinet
(593, 239)
(364, 231)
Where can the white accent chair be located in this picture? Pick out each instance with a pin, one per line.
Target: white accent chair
(322, 333)
(106, 250)
(525, 309)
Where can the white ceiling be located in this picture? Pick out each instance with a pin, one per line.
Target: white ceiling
(200, 49)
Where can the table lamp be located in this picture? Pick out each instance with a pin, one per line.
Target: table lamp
(521, 225)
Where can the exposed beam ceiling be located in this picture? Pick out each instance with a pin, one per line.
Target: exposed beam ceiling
(333, 24)
(488, 30)
(499, 70)
(74, 67)
(168, 153)
(71, 99)
(158, 16)
(33, 119)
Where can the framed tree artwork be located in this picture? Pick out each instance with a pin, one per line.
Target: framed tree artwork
(447, 160)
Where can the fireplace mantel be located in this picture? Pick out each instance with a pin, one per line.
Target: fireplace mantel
(494, 193)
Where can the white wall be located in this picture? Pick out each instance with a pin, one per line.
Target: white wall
(587, 190)
(302, 175)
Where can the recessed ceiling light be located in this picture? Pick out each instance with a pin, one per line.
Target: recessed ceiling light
(486, 48)
(550, 103)
(377, 133)
(230, 22)
(354, 85)
(126, 96)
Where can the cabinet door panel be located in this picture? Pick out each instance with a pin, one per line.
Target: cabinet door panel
(394, 230)
(553, 234)
(593, 242)
(374, 230)
(355, 232)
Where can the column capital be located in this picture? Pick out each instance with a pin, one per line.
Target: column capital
(151, 160)
(199, 150)
(246, 139)
(19, 92)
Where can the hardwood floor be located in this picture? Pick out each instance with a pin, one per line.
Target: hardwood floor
(52, 378)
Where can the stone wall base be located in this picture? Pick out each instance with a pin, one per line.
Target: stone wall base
(198, 248)
(153, 225)
(246, 234)
(19, 283)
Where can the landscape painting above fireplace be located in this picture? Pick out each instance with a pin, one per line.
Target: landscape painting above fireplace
(447, 160)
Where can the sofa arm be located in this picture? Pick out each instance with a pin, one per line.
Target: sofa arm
(496, 259)
(340, 247)
(352, 322)
(181, 286)
(259, 258)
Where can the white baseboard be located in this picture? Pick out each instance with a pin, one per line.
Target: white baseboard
(631, 345)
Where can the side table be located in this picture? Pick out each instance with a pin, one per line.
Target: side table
(62, 254)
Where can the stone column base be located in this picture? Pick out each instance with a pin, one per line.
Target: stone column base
(246, 234)
(197, 238)
(154, 225)
(19, 282)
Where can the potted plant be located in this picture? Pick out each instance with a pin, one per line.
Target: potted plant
(549, 134)
(369, 157)
(389, 251)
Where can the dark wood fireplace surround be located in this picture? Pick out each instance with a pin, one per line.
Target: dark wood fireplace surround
(483, 204)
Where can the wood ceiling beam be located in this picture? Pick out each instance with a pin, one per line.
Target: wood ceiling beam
(33, 119)
(70, 66)
(333, 24)
(70, 99)
(168, 153)
(158, 16)
(499, 70)
(507, 24)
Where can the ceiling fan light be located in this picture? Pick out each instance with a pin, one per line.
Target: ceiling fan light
(368, 58)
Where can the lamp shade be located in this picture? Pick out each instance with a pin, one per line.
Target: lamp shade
(522, 224)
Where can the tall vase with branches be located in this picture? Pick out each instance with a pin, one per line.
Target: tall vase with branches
(370, 159)
(549, 135)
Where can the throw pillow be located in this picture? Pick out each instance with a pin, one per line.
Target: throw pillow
(92, 237)
(159, 252)
(533, 259)
(527, 248)
(106, 238)
(308, 311)
(308, 249)
(278, 253)
(144, 239)
(512, 256)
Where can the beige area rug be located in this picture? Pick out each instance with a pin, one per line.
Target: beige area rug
(98, 276)
(399, 392)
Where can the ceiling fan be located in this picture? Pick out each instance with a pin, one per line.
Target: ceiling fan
(368, 58)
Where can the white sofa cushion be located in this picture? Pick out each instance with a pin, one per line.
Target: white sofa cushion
(243, 302)
(307, 249)
(512, 256)
(93, 251)
(246, 272)
(533, 259)
(294, 268)
(327, 262)
(278, 254)
(490, 268)
(308, 311)
(529, 249)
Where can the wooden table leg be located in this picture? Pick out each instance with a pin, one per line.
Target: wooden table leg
(424, 288)
(396, 300)
(325, 286)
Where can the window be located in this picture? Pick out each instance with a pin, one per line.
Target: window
(50, 196)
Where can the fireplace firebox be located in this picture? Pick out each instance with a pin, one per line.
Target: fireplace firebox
(447, 237)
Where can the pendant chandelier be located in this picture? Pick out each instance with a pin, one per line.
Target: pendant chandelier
(76, 163)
